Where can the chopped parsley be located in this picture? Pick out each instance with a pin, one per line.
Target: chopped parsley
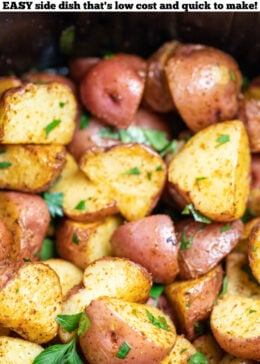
(61, 104)
(189, 209)
(54, 201)
(198, 179)
(225, 228)
(48, 249)
(155, 292)
(197, 358)
(84, 120)
(252, 311)
(51, 126)
(75, 239)
(199, 329)
(183, 350)
(4, 165)
(69, 322)
(123, 351)
(185, 243)
(109, 133)
(222, 139)
(149, 175)
(224, 287)
(134, 170)
(67, 39)
(159, 322)
(159, 168)
(254, 249)
(233, 76)
(81, 205)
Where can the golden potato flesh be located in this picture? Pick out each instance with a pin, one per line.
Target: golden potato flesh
(181, 352)
(133, 174)
(212, 171)
(30, 168)
(37, 113)
(254, 251)
(18, 351)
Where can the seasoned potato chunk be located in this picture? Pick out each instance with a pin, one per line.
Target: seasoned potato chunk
(254, 251)
(18, 351)
(181, 352)
(207, 345)
(134, 175)
(212, 171)
(30, 168)
(37, 113)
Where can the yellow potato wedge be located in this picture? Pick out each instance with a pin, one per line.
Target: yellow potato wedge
(212, 171)
(235, 325)
(181, 352)
(207, 345)
(82, 199)
(68, 273)
(242, 245)
(193, 300)
(18, 351)
(30, 168)
(82, 243)
(229, 359)
(239, 277)
(134, 176)
(113, 277)
(37, 113)
(254, 251)
(149, 334)
(30, 301)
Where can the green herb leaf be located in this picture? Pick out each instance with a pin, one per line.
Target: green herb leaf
(109, 55)
(54, 201)
(48, 249)
(159, 322)
(185, 243)
(81, 205)
(109, 133)
(199, 328)
(4, 165)
(224, 287)
(155, 292)
(252, 311)
(75, 239)
(2, 150)
(198, 179)
(225, 228)
(62, 104)
(134, 170)
(157, 139)
(233, 76)
(170, 148)
(183, 350)
(149, 175)
(196, 214)
(84, 324)
(67, 40)
(69, 322)
(222, 139)
(198, 358)
(52, 126)
(133, 134)
(84, 120)
(123, 351)
(159, 168)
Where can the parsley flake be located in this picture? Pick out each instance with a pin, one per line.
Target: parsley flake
(155, 292)
(149, 175)
(224, 287)
(159, 168)
(109, 133)
(51, 126)
(75, 239)
(233, 76)
(134, 170)
(54, 201)
(252, 311)
(4, 165)
(61, 104)
(197, 358)
(225, 228)
(84, 324)
(159, 322)
(196, 214)
(84, 120)
(69, 322)
(81, 205)
(222, 139)
(48, 249)
(185, 243)
(123, 351)
(198, 179)
(67, 39)
(198, 328)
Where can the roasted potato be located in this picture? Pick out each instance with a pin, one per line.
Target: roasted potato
(229, 359)
(181, 352)
(209, 78)
(215, 159)
(193, 300)
(202, 247)
(235, 326)
(112, 90)
(82, 243)
(5, 242)
(207, 345)
(18, 351)
(114, 323)
(37, 114)
(242, 245)
(253, 202)
(80, 66)
(151, 242)
(253, 251)
(8, 82)
(27, 219)
(30, 300)
(134, 173)
(30, 168)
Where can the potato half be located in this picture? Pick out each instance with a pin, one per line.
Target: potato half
(115, 323)
(181, 352)
(212, 171)
(18, 351)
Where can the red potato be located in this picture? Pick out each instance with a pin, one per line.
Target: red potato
(27, 218)
(5, 241)
(136, 62)
(80, 66)
(254, 194)
(210, 79)
(150, 242)
(156, 92)
(202, 247)
(112, 91)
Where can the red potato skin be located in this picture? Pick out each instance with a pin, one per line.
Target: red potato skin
(157, 95)
(136, 62)
(107, 333)
(194, 74)
(80, 66)
(5, 242)
(209, 245)
(33, 218)
(112, 91)
(150, 242)
(8, 82)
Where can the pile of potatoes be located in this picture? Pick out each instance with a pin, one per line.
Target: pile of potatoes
(143, 173)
